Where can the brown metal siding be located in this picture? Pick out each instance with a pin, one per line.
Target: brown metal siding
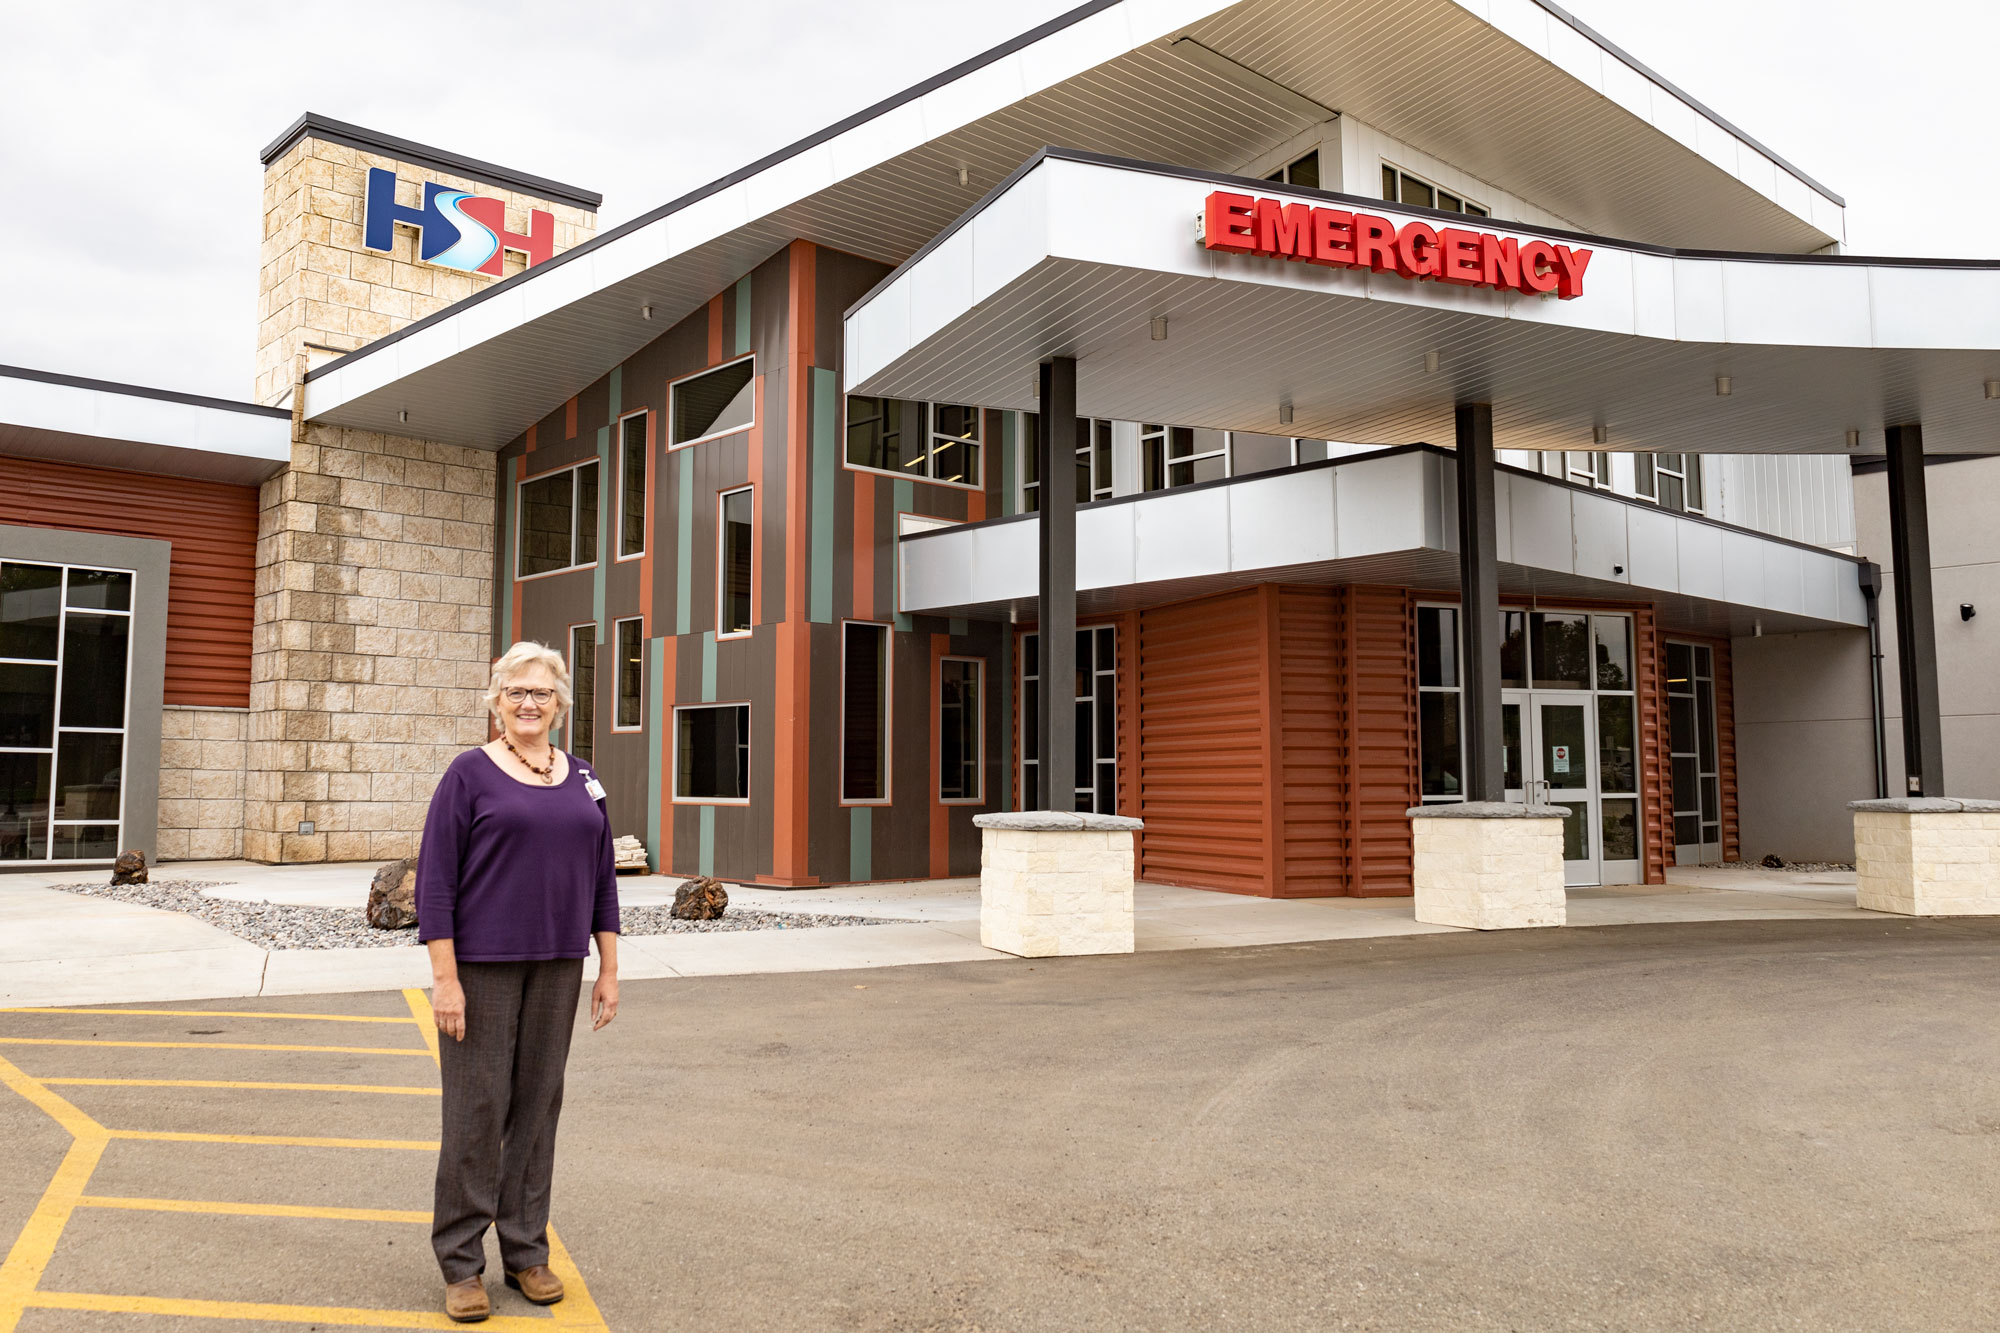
(1656, 803)
(1312, 738)
(1382, 757)
(213, 575)
(1725, 752)
(1204, 787)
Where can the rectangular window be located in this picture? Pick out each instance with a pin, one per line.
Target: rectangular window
(961, 751)
(1438, 739)
(954, 455)
(1673, 481)
(629, 638)
(930, 442)
(1182, 455)
(736, 562)
(558, 517)
(712, 753)
(582, 720)
(864, 712)
(1399, 186)
(1093, 461)
(632, 486)
(1302, 172)
(716, 402)
(1589, 469)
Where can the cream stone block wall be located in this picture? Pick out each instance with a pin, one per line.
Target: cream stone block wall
(1056, 884)
(319, 284)
(1927, 857)
(1489, 866)
(371, 644)
(202, 755)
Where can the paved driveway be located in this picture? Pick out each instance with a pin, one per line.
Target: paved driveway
(1746, 1125)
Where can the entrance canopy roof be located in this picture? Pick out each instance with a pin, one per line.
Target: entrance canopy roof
(100, 424)
(1077, 255)
(1514, 91)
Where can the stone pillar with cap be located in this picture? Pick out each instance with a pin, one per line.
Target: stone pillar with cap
(1055, 883)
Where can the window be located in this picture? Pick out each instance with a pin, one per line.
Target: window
(715, 402)
(558, 521)
(630, 643)
(1438, 727)
(735, 563)
(712, 753)
(912, 439)
(1093, 461)
(864, 712)
(1096, 720)
(582, 719)
(1691, 743)
(1400, 187)
(1182, 455)
(65, 636)
(1588, 469)
(961, 751)
(1302, 172)
(632, 486)
(1673, 481)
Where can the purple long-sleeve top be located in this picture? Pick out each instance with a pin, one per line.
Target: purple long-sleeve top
(512, 871)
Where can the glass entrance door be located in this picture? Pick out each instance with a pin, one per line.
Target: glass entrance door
(1561, 758)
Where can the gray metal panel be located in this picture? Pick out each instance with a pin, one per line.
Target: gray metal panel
(1286, 520)
(1654, 550)
(1182, 535)
(1743, 569)
(1700, 560)
(1106, 549)
(1379, 506)
(1601, 543)
(1544, 535)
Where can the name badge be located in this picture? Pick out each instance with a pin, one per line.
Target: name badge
(594, 787)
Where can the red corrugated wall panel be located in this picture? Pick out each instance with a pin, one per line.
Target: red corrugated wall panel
(213, 528)
(1312, 742)
(1656, 803)
(1382, 720)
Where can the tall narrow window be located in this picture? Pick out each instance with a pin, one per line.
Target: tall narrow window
(632, 486)
(630, 641)
(716, 402)
(583, 692)
(960, 751)
(1182, 455)
(734, 569)
(1438, 728)
(1093, 461)
(712, 753)
(864, 712)
(558, 519)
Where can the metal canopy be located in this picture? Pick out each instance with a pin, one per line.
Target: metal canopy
(64, 419)
(1531, 99)
(1078, 255)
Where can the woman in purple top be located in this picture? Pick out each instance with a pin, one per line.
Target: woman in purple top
(515, 876)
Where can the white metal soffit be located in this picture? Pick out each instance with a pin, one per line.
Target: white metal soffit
(1507, 89)
(98, 424)
(1076, 257)
(1390, 518)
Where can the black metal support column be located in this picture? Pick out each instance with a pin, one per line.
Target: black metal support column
(1056, 605)
(1479, 603)
(1916, 628)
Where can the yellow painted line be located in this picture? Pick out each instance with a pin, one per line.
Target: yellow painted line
(210, 1046)
(36, 1244)
(576, 1309)
(215, 1013)
(227, 1209)
(339, 1316)
(426, 1018)
(386, 1088)
(76, 1122)
(271, 1140)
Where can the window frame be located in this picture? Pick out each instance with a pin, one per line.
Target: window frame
(929, 438)
(576, 527)
(1654, 470)
(674, 384)
(1164, 433)
(1471, 208)
(617, 728)
(887, 797)
(569, 661)
(978, 732)
(749, 759)
(722, 561)
(1283, 175)
(1596, 477)
(619, 555)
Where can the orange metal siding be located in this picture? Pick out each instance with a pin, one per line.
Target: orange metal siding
(213, 574)
(1655, 800)
(1203, 758)
(1311, 709)
(1725, 752)
(1382, 757)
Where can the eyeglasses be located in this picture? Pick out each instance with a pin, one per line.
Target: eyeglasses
(517, 695)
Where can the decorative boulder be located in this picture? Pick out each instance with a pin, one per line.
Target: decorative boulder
(1773, 861)
(392, 898)
(700, 900)
(130, 869)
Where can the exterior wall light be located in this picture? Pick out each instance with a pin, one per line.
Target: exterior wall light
(1966, 611)
(1993, 389)
(1159, 328)
(1600, 434)
(1285, 412)
(646, 313)
(1431, 360)
(1724, 386)
(1854, 439)
(403, 415)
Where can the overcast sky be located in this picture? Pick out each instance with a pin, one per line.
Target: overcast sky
(129, 132)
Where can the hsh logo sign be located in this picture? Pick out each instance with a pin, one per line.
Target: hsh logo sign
(457, 230)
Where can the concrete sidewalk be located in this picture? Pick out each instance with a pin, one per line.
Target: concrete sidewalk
(60, 948)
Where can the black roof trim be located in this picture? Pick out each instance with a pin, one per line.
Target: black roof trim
(1860, 465)
(1647, 70)
(695, 196)
(139, 391)
(388, 145)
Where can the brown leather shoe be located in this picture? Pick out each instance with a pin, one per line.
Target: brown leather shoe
(538, 1284)
(465, 1302)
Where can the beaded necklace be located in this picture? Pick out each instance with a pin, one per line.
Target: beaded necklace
(547, 775)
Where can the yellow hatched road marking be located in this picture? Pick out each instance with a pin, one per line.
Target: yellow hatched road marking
(271, 1140)
(341, 1316)
(210, 1046)
(387, 1088)
(36, 1244)
(228, 1209)
(55, 1108)
(425, 1017)
(215, 1013)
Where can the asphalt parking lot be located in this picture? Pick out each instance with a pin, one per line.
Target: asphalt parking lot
(1745, 1125)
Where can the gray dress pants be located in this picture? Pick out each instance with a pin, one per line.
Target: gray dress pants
(503, 1090)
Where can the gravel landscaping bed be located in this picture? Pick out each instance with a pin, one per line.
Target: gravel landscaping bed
(1802, 867)
(274, 926)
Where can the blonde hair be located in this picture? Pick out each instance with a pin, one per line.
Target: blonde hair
(519, 658)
